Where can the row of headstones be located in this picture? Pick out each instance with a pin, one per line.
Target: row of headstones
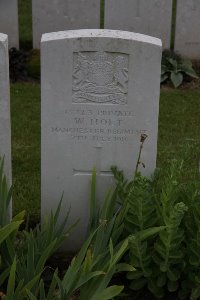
(100, 96)
(151, 17)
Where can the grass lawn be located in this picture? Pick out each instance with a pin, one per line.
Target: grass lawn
(25, 114)
(178, 124)
(25, 23)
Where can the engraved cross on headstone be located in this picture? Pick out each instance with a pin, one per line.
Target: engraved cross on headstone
(97, 165)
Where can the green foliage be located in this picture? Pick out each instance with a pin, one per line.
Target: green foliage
(109, 246)
(83, 276)
(148, 228)
(5, 196)
(175, 69)
(8, 228)
(99, 258)
(38, 245)
(24, 254)
(32, 252)
(168, 260)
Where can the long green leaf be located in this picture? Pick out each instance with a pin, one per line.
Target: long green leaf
(8, 229)
(176, 78)
(42, 290)
(123, 248)
(125, 268)
(109, 293)
(85, 278)
(93, 208)
(70, 278)
(19, 217)
(52, 287)
(29, 285)
(11, 281)
(4, 275)
(147, 233)
(30, 295)
(45, 255)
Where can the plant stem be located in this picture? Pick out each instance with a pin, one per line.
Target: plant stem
(142, 140)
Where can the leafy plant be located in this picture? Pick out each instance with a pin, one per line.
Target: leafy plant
(8, 228)
(169, 260)
(92, 269)
(24, 254)
(5, 196)
(99, 259)
(24, 257)
(38, 245)
(148, 228)
(110, 244)
(175, 69)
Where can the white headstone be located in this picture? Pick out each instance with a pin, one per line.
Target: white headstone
(100, 92)
(187, 38)
(151, 17)
(56, 15)
(5, 127)
(9, 21)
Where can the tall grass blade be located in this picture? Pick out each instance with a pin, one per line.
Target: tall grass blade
(11, 281)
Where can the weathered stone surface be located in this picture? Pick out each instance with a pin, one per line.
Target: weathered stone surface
(151, 17)
(56, 15)
(100, 92)
(9, 21)
(5, 127)
(187, 38)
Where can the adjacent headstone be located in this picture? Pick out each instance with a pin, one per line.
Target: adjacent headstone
(187, 38)
(151, 17)
(9, 21)
(100, 92)
(5, 126)
(55, 15)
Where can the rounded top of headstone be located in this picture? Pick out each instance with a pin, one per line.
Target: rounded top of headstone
(104, 33)
(3, 37)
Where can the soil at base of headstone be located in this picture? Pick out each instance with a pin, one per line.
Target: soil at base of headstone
(186, 85)
(192, 84)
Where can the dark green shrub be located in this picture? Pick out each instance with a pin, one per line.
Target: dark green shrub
(170, 260)
(17, 64)
(175, 69)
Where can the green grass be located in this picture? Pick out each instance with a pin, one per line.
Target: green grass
(25, 24)
(173, 25)
(102, 3)
(178, 122)
(25, 114)
(178, 125)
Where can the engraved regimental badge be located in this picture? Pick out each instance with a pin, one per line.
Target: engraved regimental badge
(100, 77)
